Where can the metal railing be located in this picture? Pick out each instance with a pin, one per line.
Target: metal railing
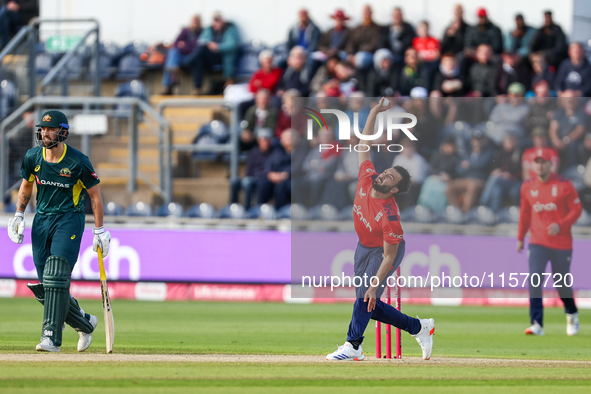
(164, 188)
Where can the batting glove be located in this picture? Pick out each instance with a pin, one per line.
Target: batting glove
(16, 227)
(102, 238)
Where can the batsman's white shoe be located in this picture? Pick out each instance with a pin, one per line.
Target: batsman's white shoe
(346, 353)
(572, 324)
(425, 337)
(86, 339)
(46, 345)
(535, 329)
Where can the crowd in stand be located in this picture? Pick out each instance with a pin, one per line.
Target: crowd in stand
(483, 99)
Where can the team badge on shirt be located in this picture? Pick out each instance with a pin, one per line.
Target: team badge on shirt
(534, 193)
(65, 172)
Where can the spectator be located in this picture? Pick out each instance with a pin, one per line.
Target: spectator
(574, 73)
(517, 41)
(513, 70)
(255, 167)
(304, 34)
(483, 73)
(340, 190)
(344, 81)
(319, 167)
(505, 178)
(448, 81)
(399, 36)
(567, 127)
(267, 77)
(10, 21)
(382, 78)
(413, 74)
(427, 46)
(324, 74)
(260, 115)
(509, 115)
(286, 115)
(584, 150)
(539, 138)
(485, 32)
(363, 41)
(541, 70)
(541, 109)
(427, 127)
(417, 167)
(277, 183)
(550, 40)
(453, 38)
(296, 76)
(218, 45)
(334, 41)
(472, 172)
(442, 169)
(357, 106)
(182, 54)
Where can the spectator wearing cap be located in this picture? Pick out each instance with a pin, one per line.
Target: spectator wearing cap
(485, 32)
(413, 74)
(541, 108)
(517, 41)
(539, 138)
(453, 38)
(567, 127)
(472, 172)
(334, 41)
(363, 41)
(276, 183)
(512, 70)
(448, 80)
(10, 21)
(398, 36)
(550, 40)
(305, 33)
(417, 167)
(267, 77)
(442, 169)
(255, 168)
(182, 53)
(505, 179)
(509, 115)
(574, 73)
(482, 77)
(260, 115)
(541, 71)
(219, 44)
(382, 78)
(296, 75)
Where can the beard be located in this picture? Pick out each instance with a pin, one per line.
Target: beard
(382, 188)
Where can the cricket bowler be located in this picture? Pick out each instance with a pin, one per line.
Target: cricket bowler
(550, 205)
(379, 252)
(61, 174)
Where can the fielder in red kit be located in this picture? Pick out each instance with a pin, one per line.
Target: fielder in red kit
(550, 205)
(379, 252)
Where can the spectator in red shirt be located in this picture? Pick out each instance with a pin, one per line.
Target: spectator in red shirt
(427, 46)
(550, 205)
(267, 77)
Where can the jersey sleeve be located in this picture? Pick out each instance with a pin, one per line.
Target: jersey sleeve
(392, 231)
(366, 170)
(27, 168)
(88, 176)
(574, 206)
(524, 213)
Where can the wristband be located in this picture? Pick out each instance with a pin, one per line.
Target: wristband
(19, 214)
(98, 230)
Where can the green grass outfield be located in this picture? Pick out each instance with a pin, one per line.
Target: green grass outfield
(151, 328)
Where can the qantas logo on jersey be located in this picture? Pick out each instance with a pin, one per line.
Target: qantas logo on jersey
(534, 193)
(361, 194)
(357, 210)
(50, 183)
(539, 207)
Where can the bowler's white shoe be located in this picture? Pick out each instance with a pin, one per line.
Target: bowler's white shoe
(535, 329)
(86, 339)
(572, 323)
(425, 337)
(46, 345)
(346, 353)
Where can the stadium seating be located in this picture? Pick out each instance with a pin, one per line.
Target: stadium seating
(280, 54)
(509, 215)
(481, 215)
(43, 63)
(452, 215)
(248, 62)
(113, 209)
(418, 214)
(203, 210)
(9, 99)
(139, 209)
(325, 212)
(133, 88)
(172, 209)
(263, 211)
(232, 211)
(130, 67)
(346, 213)
(10, 208)
(584, 219)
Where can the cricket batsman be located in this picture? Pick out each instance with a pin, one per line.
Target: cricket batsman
(61, 174)
(379, 252)
(550, 205)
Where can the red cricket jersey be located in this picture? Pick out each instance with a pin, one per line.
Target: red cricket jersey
(554, 201)
(376, 220)
(529, 156)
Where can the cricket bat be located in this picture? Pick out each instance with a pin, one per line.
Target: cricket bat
(107, 311)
